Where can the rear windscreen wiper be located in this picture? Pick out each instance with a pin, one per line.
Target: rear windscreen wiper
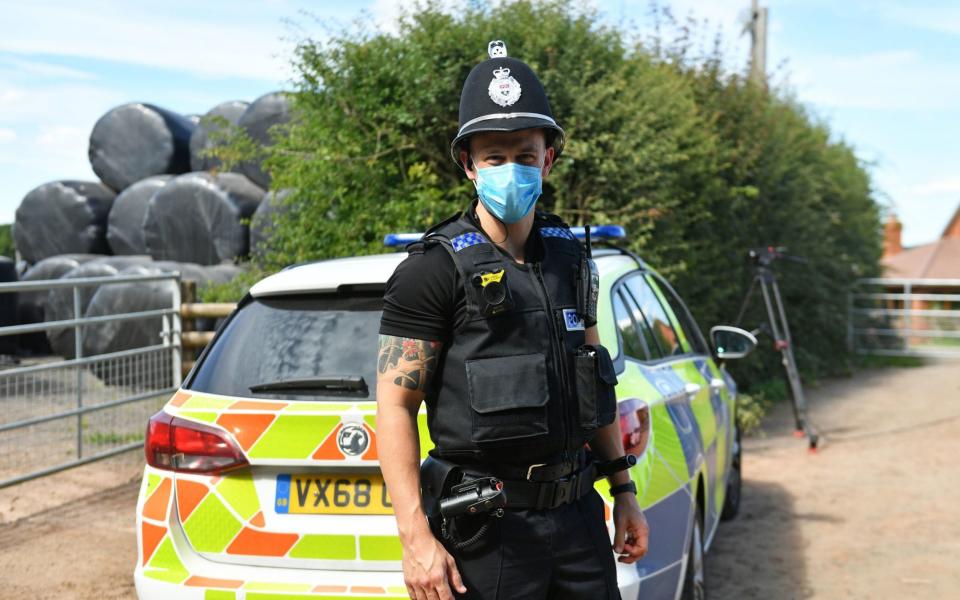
(334, 385)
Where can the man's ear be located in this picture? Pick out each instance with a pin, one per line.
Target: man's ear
(467, 163)
(547, 161)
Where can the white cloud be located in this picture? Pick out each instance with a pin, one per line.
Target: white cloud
(941, 16)
(893, 79)
(950, 185)
(132, 34)
(44, 69)
(7, 135)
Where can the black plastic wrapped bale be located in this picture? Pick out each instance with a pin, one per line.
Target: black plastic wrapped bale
(31, 306)
(222, 273)
(134, 141)
(125, 223)
(116, 336)
(60, 300)
(63, 217)
(265, 112)
(8, 306)
(200, 141)
(263, 221)
(201, 218)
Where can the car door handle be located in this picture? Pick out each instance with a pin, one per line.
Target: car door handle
(717, 384)
(692, 389)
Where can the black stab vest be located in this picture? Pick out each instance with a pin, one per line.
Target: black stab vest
(504, 387)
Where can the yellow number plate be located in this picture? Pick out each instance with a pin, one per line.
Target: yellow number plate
(332, 495)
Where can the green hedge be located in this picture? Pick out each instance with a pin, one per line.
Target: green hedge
(6, 241)
(695, 162)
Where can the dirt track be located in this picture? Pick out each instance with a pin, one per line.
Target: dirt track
(872, 515)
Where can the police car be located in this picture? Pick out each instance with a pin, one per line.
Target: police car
(262, 479)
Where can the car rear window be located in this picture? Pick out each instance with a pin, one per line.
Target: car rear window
(294, 338)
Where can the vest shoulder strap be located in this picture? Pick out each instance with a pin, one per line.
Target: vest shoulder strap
(555, 233)
(471, 251)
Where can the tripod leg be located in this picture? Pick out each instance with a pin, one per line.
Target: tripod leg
(746, 301)
(790, 364)
(781, 345)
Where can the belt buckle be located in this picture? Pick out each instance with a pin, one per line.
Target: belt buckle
(532, 467)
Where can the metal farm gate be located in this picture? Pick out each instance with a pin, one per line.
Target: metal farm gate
(905, 317)
(58, 413)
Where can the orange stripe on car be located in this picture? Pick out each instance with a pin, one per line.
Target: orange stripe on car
(329, 589)
(156, 505)
(371, 453)
(179, 398)
(197, 581)
(262, 543)
(150, 536)
(367, 589)
(256, 405)
(189, 495)
(257, 520)
(329, 450)
(247, 429)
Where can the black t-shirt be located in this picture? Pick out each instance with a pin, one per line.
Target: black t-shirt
(425, 299)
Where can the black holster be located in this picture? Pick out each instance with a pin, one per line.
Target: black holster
(438, 479)
(437, 476)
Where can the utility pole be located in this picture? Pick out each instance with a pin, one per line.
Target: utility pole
(757, 26)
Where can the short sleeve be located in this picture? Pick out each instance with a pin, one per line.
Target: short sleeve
(420, 299)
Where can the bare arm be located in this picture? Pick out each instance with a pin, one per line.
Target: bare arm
(631, 532)
(405, 367)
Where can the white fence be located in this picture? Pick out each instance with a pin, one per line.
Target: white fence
(56, 414)
(905, 317)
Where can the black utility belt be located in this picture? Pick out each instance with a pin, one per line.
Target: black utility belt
(540, 495)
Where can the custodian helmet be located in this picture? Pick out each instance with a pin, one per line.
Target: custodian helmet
(504, 94)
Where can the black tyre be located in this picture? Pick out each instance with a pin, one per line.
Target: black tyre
(695, 575)
(731, 504)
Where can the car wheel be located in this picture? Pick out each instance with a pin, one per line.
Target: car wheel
(731, 504)
(695, 576)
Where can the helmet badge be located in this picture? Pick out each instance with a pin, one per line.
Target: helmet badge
(504, 90)
(497, 49)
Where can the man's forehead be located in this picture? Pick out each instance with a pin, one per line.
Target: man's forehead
(525, 138)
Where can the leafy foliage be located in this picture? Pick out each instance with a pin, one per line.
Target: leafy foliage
(6, 241)
(698, 164)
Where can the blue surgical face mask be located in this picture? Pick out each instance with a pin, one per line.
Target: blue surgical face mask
(509, 191)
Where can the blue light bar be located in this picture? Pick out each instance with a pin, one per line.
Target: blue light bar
(392, 240)
(597, 232)
(600, 232)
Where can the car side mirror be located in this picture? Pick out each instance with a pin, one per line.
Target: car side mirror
(732, 342)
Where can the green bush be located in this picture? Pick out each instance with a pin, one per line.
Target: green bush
(6, 241)
(698, 164)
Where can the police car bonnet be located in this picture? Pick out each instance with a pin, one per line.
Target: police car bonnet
(503, 94)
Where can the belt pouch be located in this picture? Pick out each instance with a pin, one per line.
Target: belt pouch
(595, 382)
(437, 476)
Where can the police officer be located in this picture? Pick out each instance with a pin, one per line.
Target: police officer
(491, 322)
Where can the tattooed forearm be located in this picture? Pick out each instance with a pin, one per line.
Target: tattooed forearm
(407, 362)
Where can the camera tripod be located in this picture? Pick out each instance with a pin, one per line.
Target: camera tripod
(766, 280)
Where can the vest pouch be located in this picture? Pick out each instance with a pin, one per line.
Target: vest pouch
(508, 398)
(595, 383)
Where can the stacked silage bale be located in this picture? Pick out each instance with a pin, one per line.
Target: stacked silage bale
(164, 202)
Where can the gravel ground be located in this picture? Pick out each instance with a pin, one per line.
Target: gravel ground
(872, 514)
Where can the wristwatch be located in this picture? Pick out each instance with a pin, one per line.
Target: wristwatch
(623, 487)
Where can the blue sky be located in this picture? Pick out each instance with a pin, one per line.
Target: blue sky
(884, 74)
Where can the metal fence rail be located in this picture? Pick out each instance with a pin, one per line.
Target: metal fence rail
(905, 317)
(56, 414)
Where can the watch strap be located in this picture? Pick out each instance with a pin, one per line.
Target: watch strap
(630, 486)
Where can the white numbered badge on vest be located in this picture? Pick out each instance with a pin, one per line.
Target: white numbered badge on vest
(573, 321)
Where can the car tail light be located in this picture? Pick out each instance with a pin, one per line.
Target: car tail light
(179, 445)
(635, 426)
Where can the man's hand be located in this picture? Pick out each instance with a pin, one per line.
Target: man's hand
(631, 533)
(429, 571)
